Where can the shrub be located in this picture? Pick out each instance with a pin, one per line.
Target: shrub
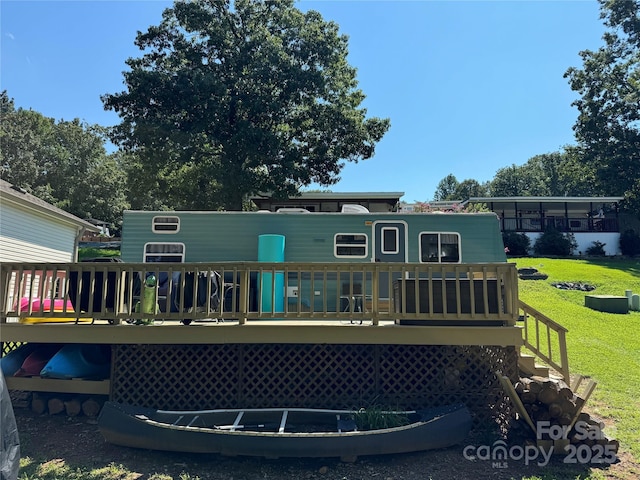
(85, 253)
(630, 243)
(516, 243)
(596, 250)
(554, 242)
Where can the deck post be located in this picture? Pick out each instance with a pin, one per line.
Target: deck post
(5, 281)
(564, 357)
(243, 308)
(374, 296)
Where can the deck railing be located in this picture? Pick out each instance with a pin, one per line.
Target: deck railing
(546, 339)
(564, 224)
(468, 294)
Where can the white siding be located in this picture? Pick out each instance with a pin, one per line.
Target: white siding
(26, 236)
(585, 240)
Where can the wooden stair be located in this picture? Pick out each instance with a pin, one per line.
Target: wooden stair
(527, 364)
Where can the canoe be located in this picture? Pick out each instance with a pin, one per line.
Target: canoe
(278, 432)
(79, 361)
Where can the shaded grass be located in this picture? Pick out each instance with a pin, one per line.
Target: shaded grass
(602, 346)
(57, 469)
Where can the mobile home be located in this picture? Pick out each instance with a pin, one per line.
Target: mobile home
(300, 236)
(313, 237)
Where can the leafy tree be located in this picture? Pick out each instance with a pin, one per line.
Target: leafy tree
(575, 177)
(450, 189)
(511, 182)
(63, 163)
(26, 144)
(555, 174)
(608, 125)
(470, 188)
(545, 173)
(233, 98)
(446, 188)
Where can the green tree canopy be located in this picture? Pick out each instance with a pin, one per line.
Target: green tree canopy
(26, 143)
(63, 163)
(608, 125)
(470, 188)
(556, 174)
(233, 98)
(516, 180)
(446, 188)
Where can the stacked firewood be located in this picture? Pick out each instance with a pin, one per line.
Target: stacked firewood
(554, 407)
(548, 399)
(70, 405)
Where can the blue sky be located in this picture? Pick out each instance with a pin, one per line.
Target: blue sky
(470, 86)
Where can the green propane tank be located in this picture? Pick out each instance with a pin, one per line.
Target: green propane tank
(149, 302)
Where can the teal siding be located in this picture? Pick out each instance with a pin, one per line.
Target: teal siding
(233, 236)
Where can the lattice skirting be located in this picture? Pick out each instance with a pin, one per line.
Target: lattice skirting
(9, 346)
(184, 377)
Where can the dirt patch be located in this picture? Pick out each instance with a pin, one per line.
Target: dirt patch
(585, 287)
(531, 274)
(77, 441)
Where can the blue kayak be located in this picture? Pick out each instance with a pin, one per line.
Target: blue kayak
(12, 361)
(92, 362)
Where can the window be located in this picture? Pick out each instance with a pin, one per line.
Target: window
(390, 239)
(164, 252)
(308, 208)
(165, 224)
(350, 245)
(440, 247)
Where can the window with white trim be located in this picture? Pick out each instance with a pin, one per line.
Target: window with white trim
(390, 240)
(353, 245)
(165, 224)
(440, 247)
(163, 252)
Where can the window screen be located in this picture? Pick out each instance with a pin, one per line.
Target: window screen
(350, 245)
(164, 252)
(168, 224)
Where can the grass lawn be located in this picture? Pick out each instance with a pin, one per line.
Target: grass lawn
(602, 346)
(92, 252)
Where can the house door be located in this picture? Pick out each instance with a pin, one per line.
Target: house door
(389, 241)
(389, 245)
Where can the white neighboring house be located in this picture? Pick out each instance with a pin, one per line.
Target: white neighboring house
(589, 219)
(32, 230)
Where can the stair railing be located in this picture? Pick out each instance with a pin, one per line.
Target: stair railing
(539, 334)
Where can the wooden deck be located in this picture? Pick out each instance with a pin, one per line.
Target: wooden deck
(263, 331)
(352, 303)
(413, 334)
(442, 294)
